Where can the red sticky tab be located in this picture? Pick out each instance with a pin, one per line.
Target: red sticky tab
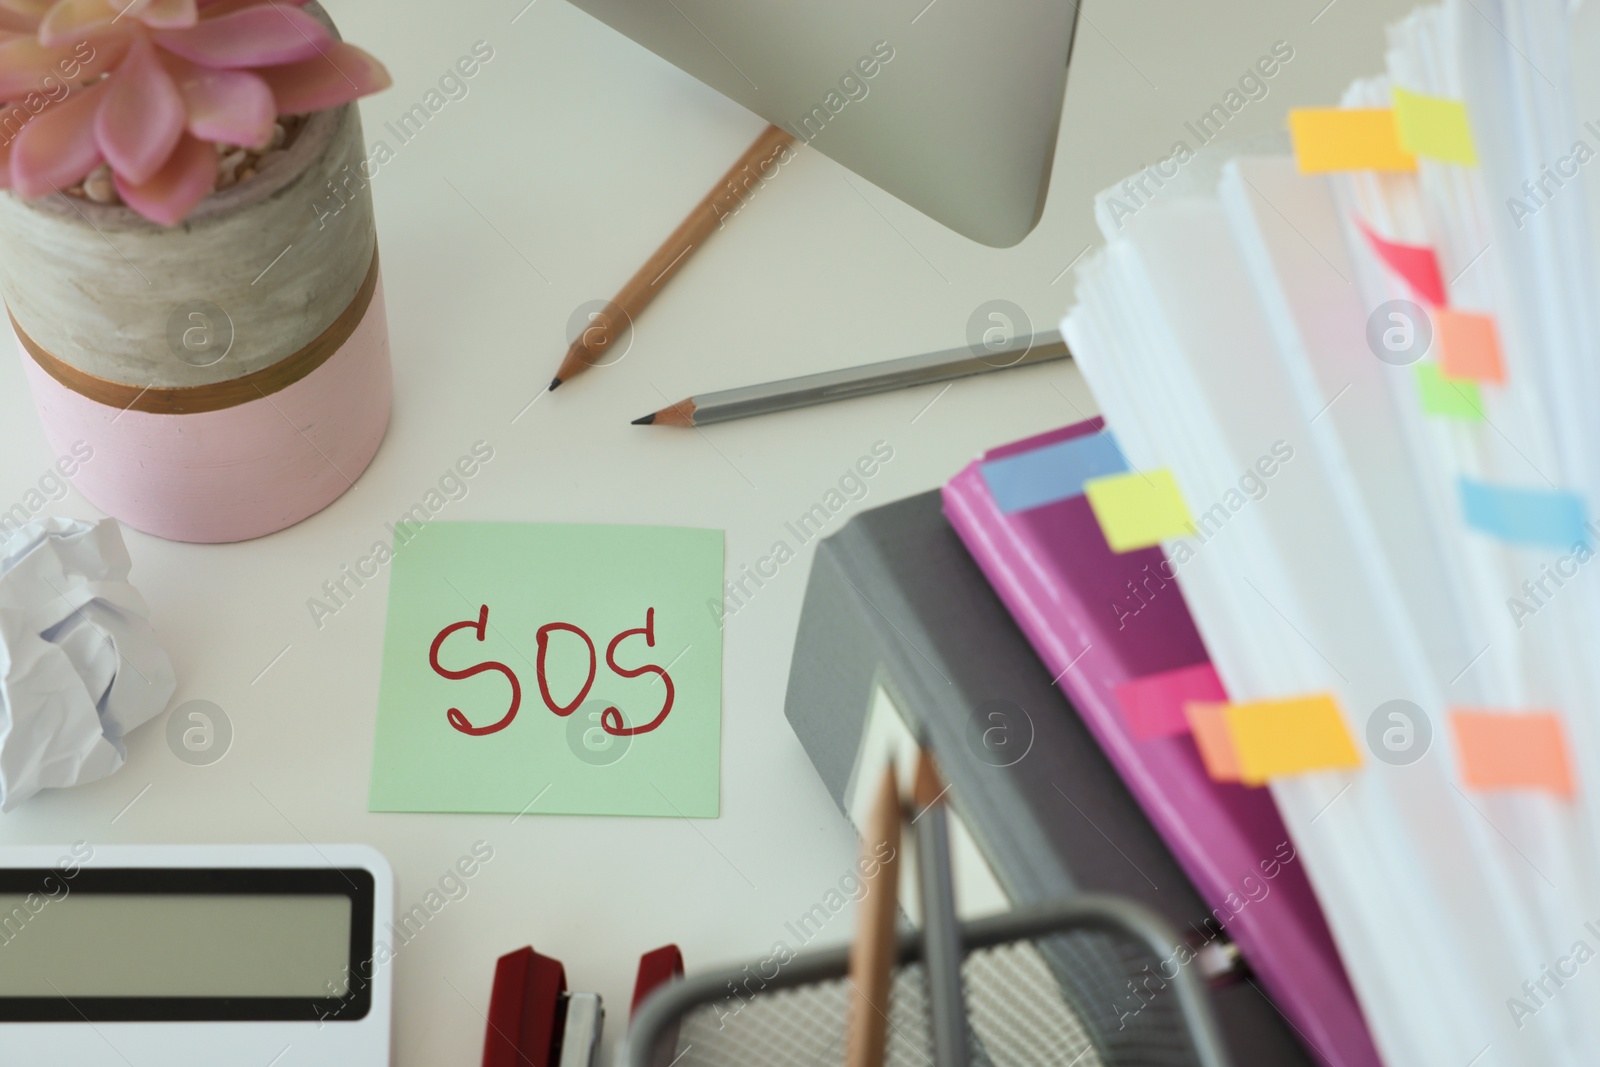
(1154, 704)
(1414, 263)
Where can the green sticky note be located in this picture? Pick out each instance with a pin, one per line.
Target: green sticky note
(1451, 398)
(1434, 127)
(552, 669)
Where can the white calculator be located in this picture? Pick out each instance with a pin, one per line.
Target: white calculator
(191, 955)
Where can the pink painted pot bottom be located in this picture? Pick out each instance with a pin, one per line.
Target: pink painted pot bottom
(236, 473)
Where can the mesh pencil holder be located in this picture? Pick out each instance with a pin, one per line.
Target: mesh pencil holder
(1093, 981)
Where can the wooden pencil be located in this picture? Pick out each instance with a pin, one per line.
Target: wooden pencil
(872, 954)
(723, 199)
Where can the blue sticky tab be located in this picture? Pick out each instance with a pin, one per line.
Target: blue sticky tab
(1524, 516)
(1054, 472)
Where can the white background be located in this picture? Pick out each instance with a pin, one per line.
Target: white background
(574, 154)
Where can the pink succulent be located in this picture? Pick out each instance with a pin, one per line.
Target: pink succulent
(148, 87)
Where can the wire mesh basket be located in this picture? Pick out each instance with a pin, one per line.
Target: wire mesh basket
(1089, 982)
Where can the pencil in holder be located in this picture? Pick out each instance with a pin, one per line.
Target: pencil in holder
(1093, 981)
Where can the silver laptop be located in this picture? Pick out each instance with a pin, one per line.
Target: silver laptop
(950, 105)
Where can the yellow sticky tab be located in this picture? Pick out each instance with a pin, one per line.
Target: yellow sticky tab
(1434, 127)
(1138, 510)
(1275, 738)
(1340, 138)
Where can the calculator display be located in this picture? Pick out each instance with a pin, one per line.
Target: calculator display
(180, 944)
(173, 945)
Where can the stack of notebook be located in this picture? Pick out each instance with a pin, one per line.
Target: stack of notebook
(1116, 636)
(902, 642)
(1351, 385)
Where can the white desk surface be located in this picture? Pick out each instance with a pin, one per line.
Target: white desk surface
(573, 155)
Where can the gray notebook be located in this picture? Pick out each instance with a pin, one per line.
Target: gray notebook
(900, 636)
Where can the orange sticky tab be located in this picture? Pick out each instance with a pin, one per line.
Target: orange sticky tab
(1512, 750)
(1347, 138)
(1276, 738)
(1209, 727)
(1469, 346)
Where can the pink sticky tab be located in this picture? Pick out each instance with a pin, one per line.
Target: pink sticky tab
(1415, 263)
(1154, 704)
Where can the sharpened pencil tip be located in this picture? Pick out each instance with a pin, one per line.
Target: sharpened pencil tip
(554, 383)
(645, 420)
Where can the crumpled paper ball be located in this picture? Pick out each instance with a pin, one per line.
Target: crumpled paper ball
(79, 664)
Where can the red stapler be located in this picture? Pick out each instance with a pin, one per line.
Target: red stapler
(535, 1022)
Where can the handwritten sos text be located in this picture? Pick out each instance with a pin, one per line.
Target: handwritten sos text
(610, 719)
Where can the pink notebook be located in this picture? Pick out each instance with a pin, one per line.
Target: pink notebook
(1105, 622)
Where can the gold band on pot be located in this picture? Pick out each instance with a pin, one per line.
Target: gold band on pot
(213, 396)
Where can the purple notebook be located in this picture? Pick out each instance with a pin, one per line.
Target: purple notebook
(1101, 620)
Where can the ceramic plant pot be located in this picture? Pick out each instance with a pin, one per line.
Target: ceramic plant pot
(231, 374)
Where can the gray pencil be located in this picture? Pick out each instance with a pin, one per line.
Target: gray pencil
(941, 934)
(855, 381)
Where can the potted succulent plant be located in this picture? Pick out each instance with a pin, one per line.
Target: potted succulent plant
(186, 304)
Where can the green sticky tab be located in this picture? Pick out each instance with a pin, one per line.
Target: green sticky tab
(1450, 398)
(543, 669)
